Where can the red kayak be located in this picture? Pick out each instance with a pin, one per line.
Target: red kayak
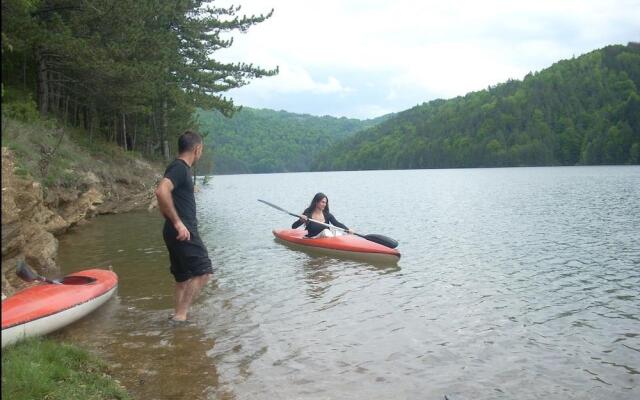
(350, 246)
(46, 307)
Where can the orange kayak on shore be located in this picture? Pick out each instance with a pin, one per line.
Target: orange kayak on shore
(44, 308)
(350, 246)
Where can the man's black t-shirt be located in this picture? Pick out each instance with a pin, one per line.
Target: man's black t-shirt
(179, 173)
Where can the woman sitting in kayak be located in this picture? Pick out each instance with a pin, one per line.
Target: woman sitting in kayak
(319, 211)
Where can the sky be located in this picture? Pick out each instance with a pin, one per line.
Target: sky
(366, 58)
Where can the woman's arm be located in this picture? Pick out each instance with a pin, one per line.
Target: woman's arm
(333, 221)
(302, 220)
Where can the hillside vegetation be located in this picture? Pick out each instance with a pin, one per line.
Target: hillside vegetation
(580, 111)
(257, 141)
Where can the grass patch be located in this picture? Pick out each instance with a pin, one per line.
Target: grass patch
(32, 142)
(61, 156)
(46, 369)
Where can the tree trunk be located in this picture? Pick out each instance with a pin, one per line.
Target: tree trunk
(135, 132)
(114, 134)
(156, 142)
(75, 113)
(93, 121)
(66, 110)
(165, 129)
(24, 71)
(166, 149)
(43, 84)
(62, 98)
(54, 95)
(124, 131)
(90, 123)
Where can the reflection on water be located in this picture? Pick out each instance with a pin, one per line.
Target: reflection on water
(321, 271)
(513, 283)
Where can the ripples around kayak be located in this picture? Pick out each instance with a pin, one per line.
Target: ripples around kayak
(513, 284)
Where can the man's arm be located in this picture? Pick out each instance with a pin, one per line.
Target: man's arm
(165, 204)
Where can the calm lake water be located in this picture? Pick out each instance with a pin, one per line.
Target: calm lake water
(518, 283)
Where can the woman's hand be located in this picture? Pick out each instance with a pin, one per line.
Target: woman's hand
(349, 231)
(303, 218)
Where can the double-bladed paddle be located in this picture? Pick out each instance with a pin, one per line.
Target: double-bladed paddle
(29, 275)
(380, 239)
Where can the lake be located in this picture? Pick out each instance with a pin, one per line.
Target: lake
(514, 283)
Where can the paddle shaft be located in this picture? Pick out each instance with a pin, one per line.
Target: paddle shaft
(47, 280)
(308, 219)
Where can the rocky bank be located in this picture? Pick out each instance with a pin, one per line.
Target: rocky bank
(32, 216)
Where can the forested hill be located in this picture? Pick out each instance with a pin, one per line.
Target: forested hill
(260, 140)
(580, 111)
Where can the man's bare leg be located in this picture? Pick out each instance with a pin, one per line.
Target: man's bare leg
(180, 289)
(186, 292)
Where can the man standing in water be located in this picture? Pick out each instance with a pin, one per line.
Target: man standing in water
(190, 263)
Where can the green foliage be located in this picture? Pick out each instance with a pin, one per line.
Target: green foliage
(19, 105)
(257, 141)
(44, 369)
(130, 71)
(578, 111)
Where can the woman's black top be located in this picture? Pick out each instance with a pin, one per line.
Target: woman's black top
(314, 228)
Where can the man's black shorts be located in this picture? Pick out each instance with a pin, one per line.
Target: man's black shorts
(189, 258)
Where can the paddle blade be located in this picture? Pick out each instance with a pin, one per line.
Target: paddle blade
(383, 240)
(25, 273)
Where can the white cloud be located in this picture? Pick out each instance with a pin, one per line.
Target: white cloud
(294, 79)
(437, 48)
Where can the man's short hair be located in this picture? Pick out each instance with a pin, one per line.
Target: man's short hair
(188, 140)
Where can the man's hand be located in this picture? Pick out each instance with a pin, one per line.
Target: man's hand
(183, 232)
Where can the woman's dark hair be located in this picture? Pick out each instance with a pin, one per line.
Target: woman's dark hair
(316, 199)
(188, 140)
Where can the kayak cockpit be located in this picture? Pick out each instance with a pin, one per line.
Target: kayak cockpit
(77, 280)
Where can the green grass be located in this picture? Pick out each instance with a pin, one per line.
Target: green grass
(46, 369)
(30, 140)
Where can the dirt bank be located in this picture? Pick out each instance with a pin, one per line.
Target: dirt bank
(32, 215)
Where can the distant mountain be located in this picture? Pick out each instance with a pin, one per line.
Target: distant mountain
(585, 110)
(259, 140)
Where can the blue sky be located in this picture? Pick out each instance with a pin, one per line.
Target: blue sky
(362, 59)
